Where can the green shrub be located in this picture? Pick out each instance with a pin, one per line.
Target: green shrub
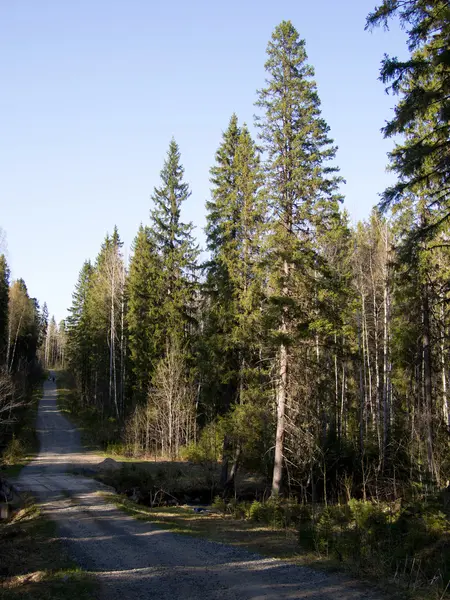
(238, 510)
(219, 504)
(412, 541)
(117, 449)
(208, 449)
(278, 512)
(14, 452)
(256, 511)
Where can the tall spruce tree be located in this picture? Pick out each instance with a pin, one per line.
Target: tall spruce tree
(175, 243)
(220, 378)
(301, 183)
(235, 223)
(144, 316)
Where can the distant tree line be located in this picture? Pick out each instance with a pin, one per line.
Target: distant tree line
(312, 351)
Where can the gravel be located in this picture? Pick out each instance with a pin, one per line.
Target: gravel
(134, 559)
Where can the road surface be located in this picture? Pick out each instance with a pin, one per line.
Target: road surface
(134, 559)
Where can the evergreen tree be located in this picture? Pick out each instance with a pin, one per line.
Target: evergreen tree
(43, 323)
(235, 237)
(79, 344)
(302, 186)
(175, 243)
(145, 318)
(105, 310)
(235, 223)
(423, 81)
(220, 378)
(52, 343)
(43, 328)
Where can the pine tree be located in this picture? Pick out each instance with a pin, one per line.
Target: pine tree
(175, 243)
(301, 184)
(420, 203)
(144, 317)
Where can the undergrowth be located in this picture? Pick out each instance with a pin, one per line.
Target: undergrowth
(156, 484)
(21, 442)
(408, 544)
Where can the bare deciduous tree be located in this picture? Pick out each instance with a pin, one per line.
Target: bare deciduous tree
(8, 401)
(167, 422)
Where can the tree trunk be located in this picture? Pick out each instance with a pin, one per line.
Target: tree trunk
(427, 374)
(230, 482)
(377, 366)
(225, 462)
(445, 405)
(15, 342)
(281, 396)
(362, 391)
(281, 409)
(386, 407)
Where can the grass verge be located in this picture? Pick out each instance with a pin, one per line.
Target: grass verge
(280, 543)
(276, 542)
(29, 544)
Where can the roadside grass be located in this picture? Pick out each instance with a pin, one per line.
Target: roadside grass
(24, 444)
(274, 542)
(35, 565)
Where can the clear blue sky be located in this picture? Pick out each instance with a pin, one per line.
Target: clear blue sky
(93, 90)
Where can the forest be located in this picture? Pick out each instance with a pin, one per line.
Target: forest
(296, 350)
(308, 350)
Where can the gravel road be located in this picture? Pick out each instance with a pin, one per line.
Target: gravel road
(134, 559)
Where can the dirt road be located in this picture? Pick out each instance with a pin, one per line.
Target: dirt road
(134, 559)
